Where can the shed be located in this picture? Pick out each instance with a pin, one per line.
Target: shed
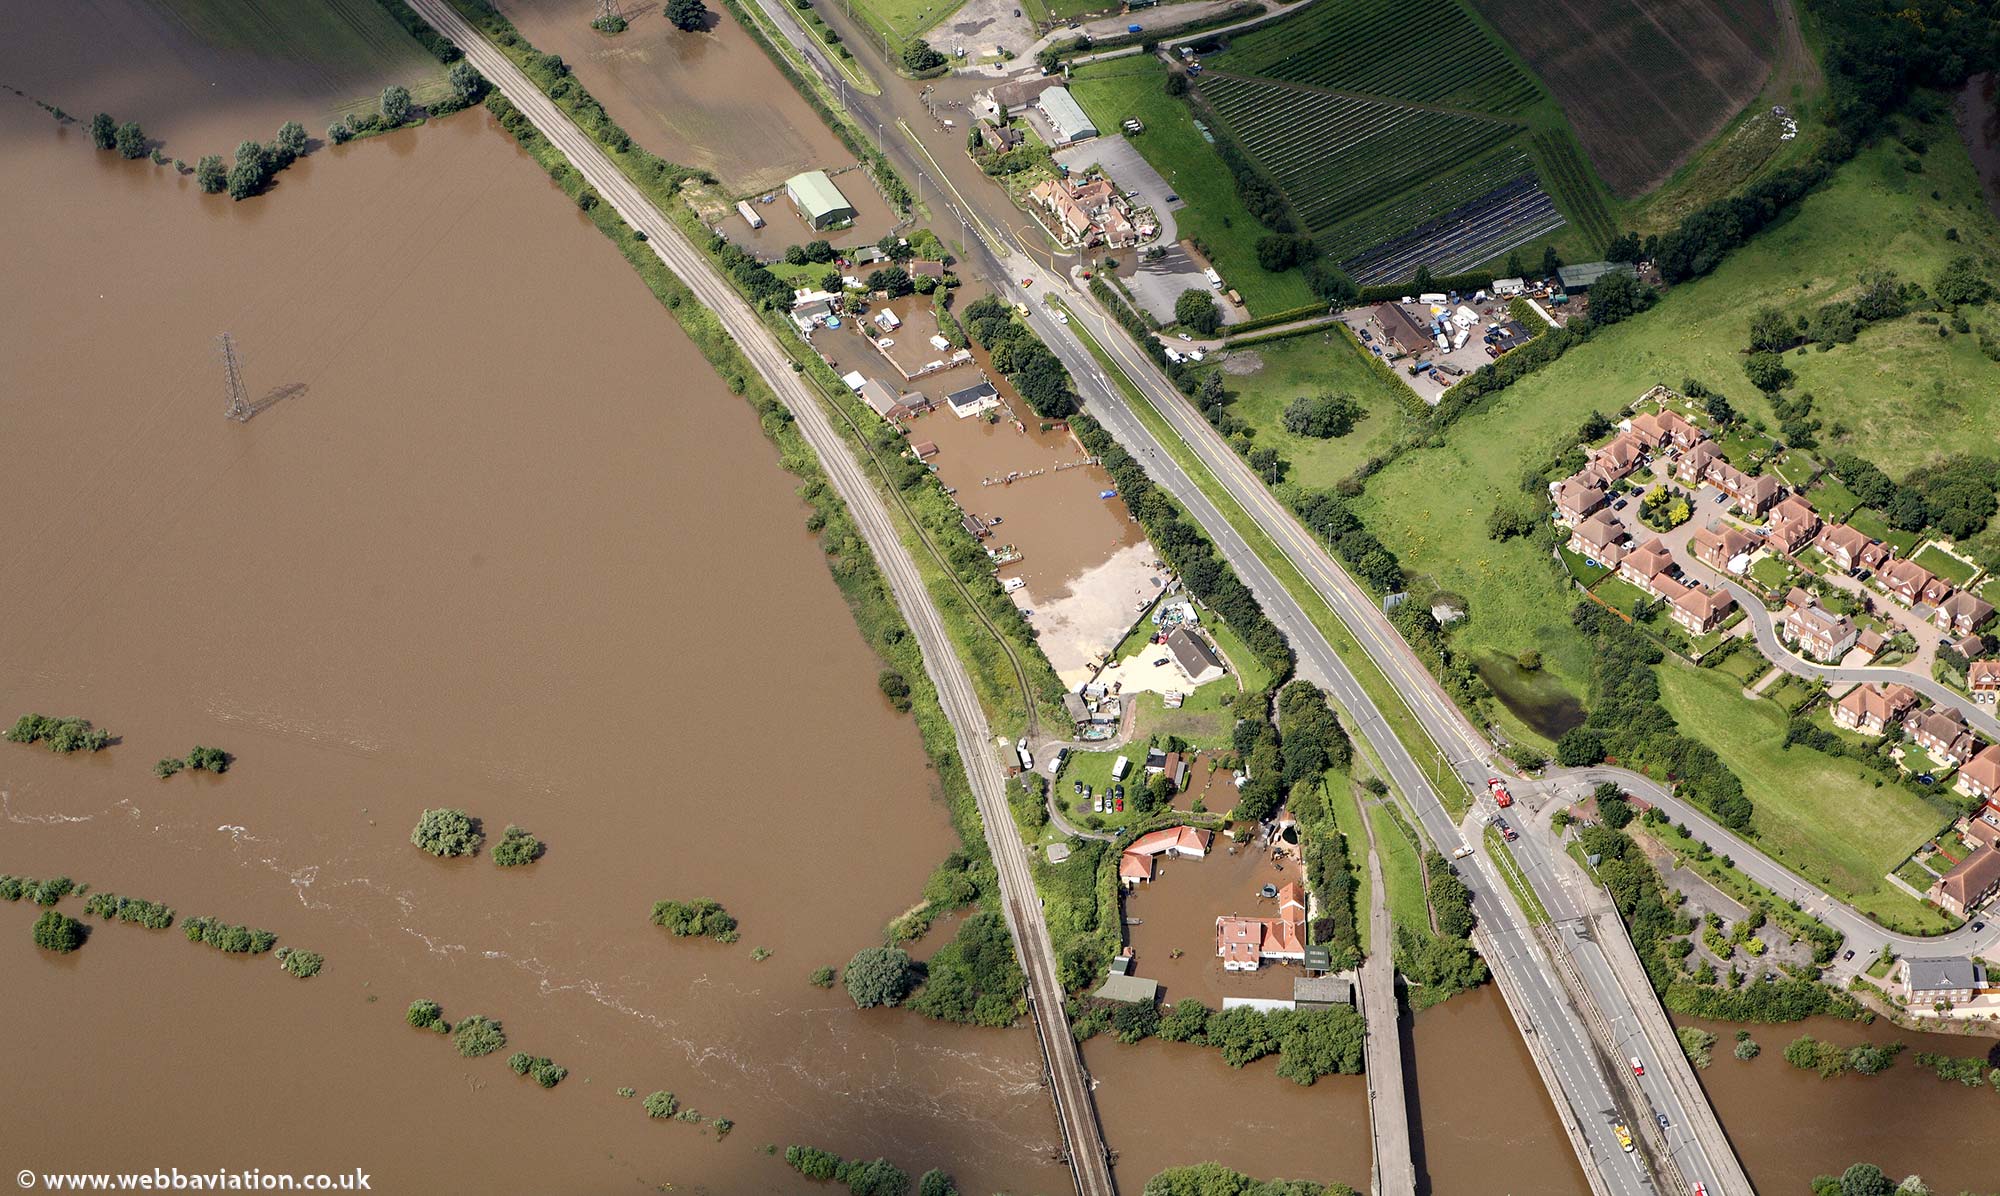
(881, 399)
(1066, 116)
(1074, 707)
(1193, 654)
(973, 400)
(1583, 276)
(1119, 987)
(1321, 992)
(818, 200)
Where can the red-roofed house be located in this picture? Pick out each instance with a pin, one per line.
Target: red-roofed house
(1961, 890)
(1718, 549)
(1851, 548)
(1981, 775)
(1819, 633)
(1599, 538)
(1624, 454)
(1245, 943)
(1645, 563)
(1135, 863)
(1943, 733)
(1961, 614)
(1983, 678)
(1665, 427)
(1905, 580)
(1576, 496)
(1793, 525)
(1873, 709)
(1700, 608)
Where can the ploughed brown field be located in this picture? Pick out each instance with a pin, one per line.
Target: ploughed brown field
(1644, 82)
(508, 544)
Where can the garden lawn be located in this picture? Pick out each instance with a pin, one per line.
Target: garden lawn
(1402, 871)
(1111, 92)
(1945, 565)
(1886, 399)
(906, 20)
(1771, 572)
(1344, 800)
(1868, 522)
(1304, 365)
(1820, 816)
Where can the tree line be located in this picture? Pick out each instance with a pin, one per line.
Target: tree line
(1034, 369)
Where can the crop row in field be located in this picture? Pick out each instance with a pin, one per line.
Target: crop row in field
(1389, 220)
(1503, 219)
(1429, 51)
(1564, 171)
(1334, 156)
(1645, 82)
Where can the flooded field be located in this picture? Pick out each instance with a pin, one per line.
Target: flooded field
(1176, 912)
(202, 75)
(1905, 1120)
(1486, 1124)
(1168, 1104)
(505, 543)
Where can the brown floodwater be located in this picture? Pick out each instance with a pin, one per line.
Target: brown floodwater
(1486, 1125)
(1177, 910)
(502, 542)
(1904, 1120)
(202, 75)
(1167, 1104)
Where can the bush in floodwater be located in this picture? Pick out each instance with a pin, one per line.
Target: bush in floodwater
(701, 916)
(63, 735)
(103, 131)
(208, 759)
(880, 976)
(168, 766)
(111, 907)
(478, 1036)
(447, 832)
(426, 1015)
(235, 940)
(516, 847)
(822, 977)
(661, 1105)
(58, 932)
(210, 175)
(303, 964)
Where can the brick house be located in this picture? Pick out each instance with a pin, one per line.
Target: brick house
(1599, 538)
(1624, 454)
(1851, 549)
(1794, 523)
(1981, 775)
(1576, 496)
(1658, 429)
(1961, 614)
(1935, 981)
(1752, 496)
(1648, 564)
(1905, 580)
(1717, 549)
(1942, 732)
(1699, 608)
(1983, 678)
(1245, 943)
(1817, 632)
(1873, 709)
(1965, 887)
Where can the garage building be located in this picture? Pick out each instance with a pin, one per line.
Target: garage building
(818, 200)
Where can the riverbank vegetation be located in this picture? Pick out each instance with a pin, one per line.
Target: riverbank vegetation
(699, 918)
(446, 832)
(880, 976)
(1309, 1043)
(863, 1177)
(1831, 1059)
(478, 1035)
(1213, 1179)
(427, 1015)
(44, 893)
(63, 736)
(300, 962)
(546, 1072)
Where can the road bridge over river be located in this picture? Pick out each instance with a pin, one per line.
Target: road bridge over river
(1068, 1083)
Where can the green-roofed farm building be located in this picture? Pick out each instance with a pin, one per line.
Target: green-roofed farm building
(818, 200)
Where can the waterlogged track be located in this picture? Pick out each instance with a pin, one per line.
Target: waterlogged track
(1069, 1085)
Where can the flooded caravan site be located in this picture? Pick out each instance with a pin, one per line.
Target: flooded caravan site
(522, 554)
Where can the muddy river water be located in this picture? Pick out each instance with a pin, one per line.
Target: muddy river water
(514, 548)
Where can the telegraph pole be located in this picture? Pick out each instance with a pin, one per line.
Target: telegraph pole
(232, 380)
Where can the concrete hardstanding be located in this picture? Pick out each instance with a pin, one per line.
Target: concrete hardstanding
(1069, 1085)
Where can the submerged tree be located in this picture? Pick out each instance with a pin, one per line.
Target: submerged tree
(687, 15)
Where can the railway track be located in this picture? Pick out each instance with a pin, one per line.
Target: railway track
(1069, 1085)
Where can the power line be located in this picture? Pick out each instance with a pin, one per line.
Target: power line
(232, 380)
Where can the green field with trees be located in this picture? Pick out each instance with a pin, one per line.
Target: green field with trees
(1261, 382)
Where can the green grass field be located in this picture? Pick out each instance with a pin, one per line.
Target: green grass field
(1135, 87)
(1346, 806)
(904, 20)
(1402, 871)
(1304, 365)
(1820, 816)
(1945, 565)
(1430, 506)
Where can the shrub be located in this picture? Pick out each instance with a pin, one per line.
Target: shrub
(63, 735)
(208, 759)
(812, 1162)
(447, 832)
(520, 1062)
(234, 940)
(168, 767)
(301, 963)
(395, 104)
(58, 932)
(1747, 1049)
(478, 1036)
(103, 131)
(880, 976)
(112, 907)
(822, 977)
(426, 1015)
(548, 1074)
(131, 140)
(1322, 416)
(661, 1105)
(700, 917)
(1195, 310)
(516, 847)
(210, 176)
(46, 893)
(688, 16)
(896, 688)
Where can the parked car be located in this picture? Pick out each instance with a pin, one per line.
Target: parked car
(1638, 1068)
(1849, 954)
(1619, 505)
(1978, 926)
(1121, 805)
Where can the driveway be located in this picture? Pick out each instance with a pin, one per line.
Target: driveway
(1121, 160)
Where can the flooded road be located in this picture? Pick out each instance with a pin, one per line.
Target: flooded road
(508, 545)
(1905, 1120)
